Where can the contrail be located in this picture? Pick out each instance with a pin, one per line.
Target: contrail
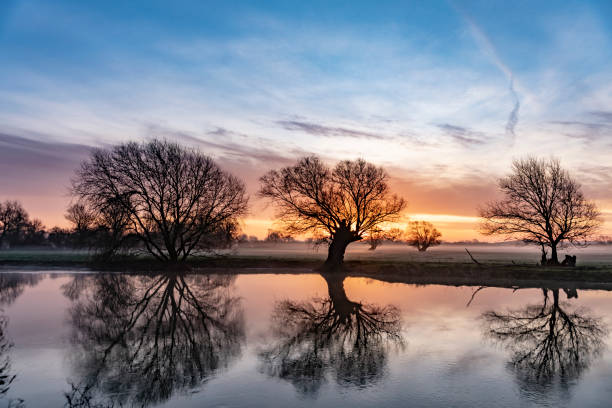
(489, 49)
(513, 117)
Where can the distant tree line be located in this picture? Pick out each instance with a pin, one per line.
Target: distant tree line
(171, 202)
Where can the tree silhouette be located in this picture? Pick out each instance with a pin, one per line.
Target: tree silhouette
(176, 200)
(548, 342)
(346, 203)
(543, 205)
(16, 227)
(378, 235)
(139, 339)
(330, 334)
(422, 235)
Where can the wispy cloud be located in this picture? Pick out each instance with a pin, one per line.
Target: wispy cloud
(463, 135)
(513, 117)
(323, 130)
(605, 116)
(486, 45)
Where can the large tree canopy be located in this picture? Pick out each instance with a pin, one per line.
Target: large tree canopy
(543, 204)
(346, 203)
(176, 200)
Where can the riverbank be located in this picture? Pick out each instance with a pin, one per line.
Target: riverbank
(512, 275)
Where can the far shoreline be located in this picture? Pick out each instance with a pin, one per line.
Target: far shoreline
(514, 275)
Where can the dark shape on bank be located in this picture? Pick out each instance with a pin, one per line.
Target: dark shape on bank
(174, 200)
(332, 334)
(140, 339)
(543, 205)
(345, 203)
(549, 343)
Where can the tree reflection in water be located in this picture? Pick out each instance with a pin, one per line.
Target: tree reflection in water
(12, 286)
(332, 334)
(141, 339)
(549, 343)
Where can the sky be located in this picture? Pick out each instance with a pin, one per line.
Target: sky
(443, 94)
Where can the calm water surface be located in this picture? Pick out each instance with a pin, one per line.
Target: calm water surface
(102, 340)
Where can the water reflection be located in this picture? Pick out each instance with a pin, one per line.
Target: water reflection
(12, 285)
(332, 334)
(551, 343)
(138, 340)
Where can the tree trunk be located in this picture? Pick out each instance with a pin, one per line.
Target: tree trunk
(335, 254)
(553, 255)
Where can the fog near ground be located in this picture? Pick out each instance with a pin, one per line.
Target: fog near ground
(394, 252)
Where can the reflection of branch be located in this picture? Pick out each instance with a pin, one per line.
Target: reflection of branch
(547, 341)
(13, 284)
(6, 377)
(142, 338)
(474, 294)
(332, 333)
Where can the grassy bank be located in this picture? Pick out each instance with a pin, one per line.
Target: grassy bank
(589, 276)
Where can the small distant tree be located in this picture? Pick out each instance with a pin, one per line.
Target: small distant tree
(278, 237)
(422, 235)
(543, 205)
(83, 222)
(379, 235)
(345, 203)
(16, 227)
(80, 217)
(172, 199)
(33, 234)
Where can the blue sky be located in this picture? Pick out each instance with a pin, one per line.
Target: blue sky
(444, 94)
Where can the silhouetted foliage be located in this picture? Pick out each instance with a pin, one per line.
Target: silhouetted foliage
(83, 224)
(422, 235)
(548, 342)
(346, 203)
(139, 339)
(277, 237)
(331, 334)
(543, 204)
(377, 236)
(16, 228)
(173, 200)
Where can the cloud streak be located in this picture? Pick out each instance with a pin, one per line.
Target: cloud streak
(486, 45)
(463, 135)
(323, 130)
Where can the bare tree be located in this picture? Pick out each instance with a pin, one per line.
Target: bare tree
(277, 237)
(346, 203)
(544, 205)
(80, 217)
(378, 235)
(13, 220)
(422, 235)
(174, 198)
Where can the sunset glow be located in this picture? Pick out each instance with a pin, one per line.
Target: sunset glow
(444, 107)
